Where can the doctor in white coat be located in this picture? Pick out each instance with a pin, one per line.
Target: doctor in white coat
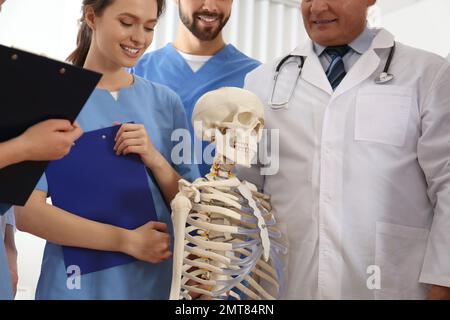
(363, 186)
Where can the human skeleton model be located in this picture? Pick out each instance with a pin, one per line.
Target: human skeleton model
(225, 233)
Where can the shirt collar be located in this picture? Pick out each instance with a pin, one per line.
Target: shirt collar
(360, 45)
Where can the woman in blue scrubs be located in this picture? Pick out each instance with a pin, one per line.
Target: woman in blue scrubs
(113, 35)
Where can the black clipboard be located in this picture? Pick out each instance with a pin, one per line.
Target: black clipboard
(33, 89)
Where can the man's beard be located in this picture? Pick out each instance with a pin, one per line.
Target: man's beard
(203, 34)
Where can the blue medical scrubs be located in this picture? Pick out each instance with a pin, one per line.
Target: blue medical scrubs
(5, 277)
(161, 112)
(227, 68)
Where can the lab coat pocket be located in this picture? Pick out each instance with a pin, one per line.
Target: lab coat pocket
(382, 114)
(399, 254)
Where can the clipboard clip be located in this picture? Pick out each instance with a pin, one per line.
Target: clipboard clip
(15, 57)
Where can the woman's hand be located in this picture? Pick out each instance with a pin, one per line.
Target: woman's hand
(133, 138)
(150, 243)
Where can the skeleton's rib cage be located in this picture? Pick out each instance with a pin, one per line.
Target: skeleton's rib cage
(225, 239)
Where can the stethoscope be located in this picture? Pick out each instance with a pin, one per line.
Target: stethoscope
(383, 78)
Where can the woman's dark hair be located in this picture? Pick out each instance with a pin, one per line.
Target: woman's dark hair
(84, 38)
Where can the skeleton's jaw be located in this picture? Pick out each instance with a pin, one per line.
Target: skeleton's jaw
(236, 146)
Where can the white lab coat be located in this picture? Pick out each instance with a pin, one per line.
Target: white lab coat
(364, 178)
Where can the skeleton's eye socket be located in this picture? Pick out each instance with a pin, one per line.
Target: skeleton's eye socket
(258, 127)
(245, 118)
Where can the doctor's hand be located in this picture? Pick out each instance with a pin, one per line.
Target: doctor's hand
(439, 293)
(150, 243)
(48, 140)
(133, 138)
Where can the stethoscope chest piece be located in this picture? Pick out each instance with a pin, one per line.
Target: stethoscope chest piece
(383, 78)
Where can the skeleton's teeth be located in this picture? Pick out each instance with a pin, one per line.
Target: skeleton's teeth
(239, 146)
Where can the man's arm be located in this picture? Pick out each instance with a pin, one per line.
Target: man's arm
(11, 153)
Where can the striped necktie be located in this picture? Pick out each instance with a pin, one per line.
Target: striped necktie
(336, 70)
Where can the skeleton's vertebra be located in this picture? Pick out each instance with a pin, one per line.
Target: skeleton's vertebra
(225, 232)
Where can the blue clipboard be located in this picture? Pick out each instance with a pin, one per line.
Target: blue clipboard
(94, 183)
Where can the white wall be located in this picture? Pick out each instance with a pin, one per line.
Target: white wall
(50, 26)
(43, 26)
(263, 29)
(423, 24)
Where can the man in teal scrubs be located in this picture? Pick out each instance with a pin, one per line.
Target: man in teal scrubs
(199, 60)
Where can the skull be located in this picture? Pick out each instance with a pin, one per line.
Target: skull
(233, 118)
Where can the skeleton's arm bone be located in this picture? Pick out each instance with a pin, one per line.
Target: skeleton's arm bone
(181, 206)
